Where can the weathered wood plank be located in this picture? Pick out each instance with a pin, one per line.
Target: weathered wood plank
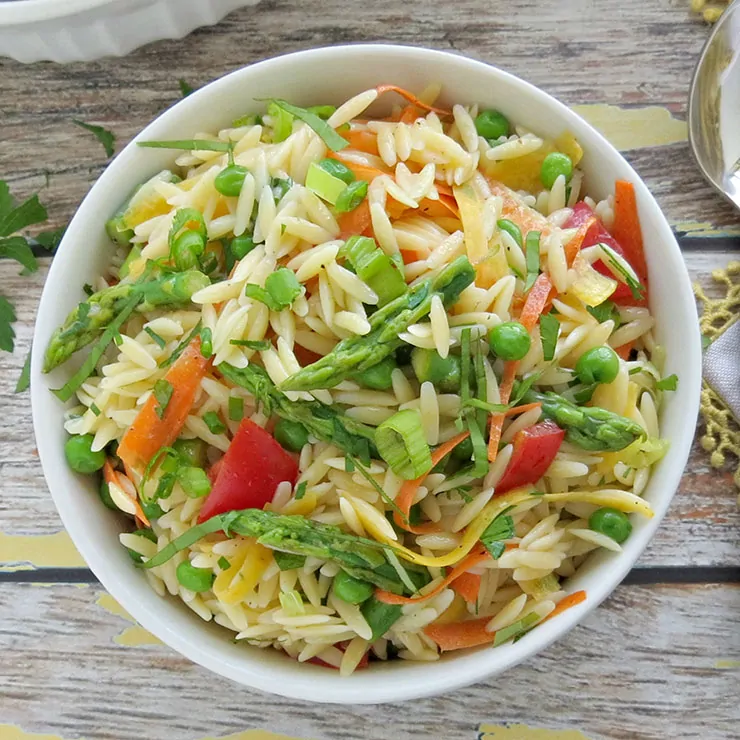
(652, 662)
(702, 527)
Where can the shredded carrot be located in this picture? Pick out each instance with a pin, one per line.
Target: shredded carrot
(468, 586)
(355, 222)
(566, 603)
(362, 140)
(149, 432)
(110, 475)
(626, 229)
(574, 245)
(624, 350)
(514, 410)
(459, 570)
(537, 299)
(410, 487)
(409, 114)
(442, 207)
(411, 98)
(526, 218)
(460, 635)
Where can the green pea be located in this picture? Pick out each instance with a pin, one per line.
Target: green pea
(187, 248)
(191, 451)
(511, 229)
(351, 196)
(351, 589)
(337, 169)
(611, 522)
(290, 434)
(242, 245)
(554, 165)
(464, 450)
(510, 340)
(598, 365)
(491, 124)
(230, 180)
(80, 456)
(104, 492)
(378, 377)
(194, 481)
(194, 579)
(444, 373)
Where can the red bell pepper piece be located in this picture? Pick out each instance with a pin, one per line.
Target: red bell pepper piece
(534, 450)
(249, 472)
(597, 234)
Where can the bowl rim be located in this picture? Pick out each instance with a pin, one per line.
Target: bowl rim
(18, 12)
(465, 668)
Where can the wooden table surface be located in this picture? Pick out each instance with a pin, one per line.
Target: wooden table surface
(660, 659)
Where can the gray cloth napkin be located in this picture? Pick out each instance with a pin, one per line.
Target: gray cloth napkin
(722, 367)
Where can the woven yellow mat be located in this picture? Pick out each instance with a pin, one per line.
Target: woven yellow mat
(709, 11)
(722, 434)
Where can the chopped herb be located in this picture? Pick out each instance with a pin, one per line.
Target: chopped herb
(584, 393)
(185, 88)
(25, 377)
(88, 289)
(331, 138)
(281, 289)
(250, 119)
(300, 490)
(94, 408)
(214, 423)
(496, 534)
(105, 137)
(50, 239)
(349, 466)
(236, 408)
(287, 560)
(180, 347)
(369, 478)
(463, 493)
(532, 255)
(628, 276)
(192, 145)
(705, 341)
(493, 408)
(157, 339)
(280, 186)
(190, 218)
(635, 370)
(259, 345)
(517, 629)
(549, 331)
(163, 391)
(605, 311)
(7, 317)
(524, 386)
(206, 342)
(117, 338)
(223, 563)
(668, 384)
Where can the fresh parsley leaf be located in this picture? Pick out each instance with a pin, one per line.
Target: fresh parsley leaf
(14, 219)
(300, 490)
(163, 391)
(50, 239)
(185, 88)
(25, 378)
(105, 137)
(158, 340)
(16, 248)
(532, 257)
(7, 317)
(261, 344)
(549, 331)
(214, 423)
(496, 534)
(605, 311)
(668, 384)
(7, 202)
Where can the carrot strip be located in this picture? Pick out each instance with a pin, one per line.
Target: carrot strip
(624, 350)
(409, 114)
(566, 603)
(149, 432)
(468, 586)
(410, 487)
(460, 635)
(355, 222)
(110, 475)
(362, 140)
(411, 98)
(574, 245)
(468, 562)
(360, 171)
(514, 410)
(626, 229)
(442, 207)
(536, 301)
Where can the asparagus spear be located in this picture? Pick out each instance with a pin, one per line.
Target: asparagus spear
(360, 557)
(589, 427)
(324, 422)
(356, 354)
(90, 319)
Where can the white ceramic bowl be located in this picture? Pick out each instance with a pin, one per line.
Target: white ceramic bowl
(309, 78)
(82, 30)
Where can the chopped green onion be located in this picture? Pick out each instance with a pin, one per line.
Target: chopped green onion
(194, 481)
(181, 347)
(401, 443)
(256, 344)
(375, 268)
(351, 196)
(325, 185)
(132, 256)
(668, 384)
(282, 122)
(159, 341)
(292, 603)
(189, 218)
(331, 138)
(517, 629)
(193, 145)
(549, 331)
(236, 408)
(280, 186)
(162, 392)
(288, 561)
(300, 490)
(281, 289)
(504, 224)
(223, 563)
(70, 387)
(337, 169)
(532, 255)
(94, 408)
(214, 423)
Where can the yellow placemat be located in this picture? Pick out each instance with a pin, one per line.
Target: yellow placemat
(709, 11)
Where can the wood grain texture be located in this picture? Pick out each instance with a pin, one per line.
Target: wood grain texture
(702, 527)
(642, 666)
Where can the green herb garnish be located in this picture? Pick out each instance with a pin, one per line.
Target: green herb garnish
(105, 137)
(331, 138)
(159, 341)
(214, 423)
(668, 384)
(163, 391)
(549, 331)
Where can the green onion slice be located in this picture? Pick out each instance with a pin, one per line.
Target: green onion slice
(331, 138)
(375, 268)
(324, 184)
(401, 443)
